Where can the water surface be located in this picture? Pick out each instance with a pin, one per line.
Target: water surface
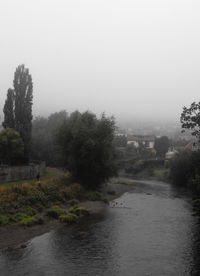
(150, 231)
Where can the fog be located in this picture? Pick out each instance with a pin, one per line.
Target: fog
(133, 59)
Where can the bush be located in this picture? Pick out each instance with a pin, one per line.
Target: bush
(79, 211)
(56, 211)
(73, 202)
(31, 220)
(69, 218)
(183, 167)
(73, 191)
(93, 195)
(4, 219)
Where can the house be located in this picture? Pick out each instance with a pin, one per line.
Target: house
(193, 146)
(171, 154)
(146, 140)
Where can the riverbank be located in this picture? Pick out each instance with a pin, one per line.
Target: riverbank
(16, 235)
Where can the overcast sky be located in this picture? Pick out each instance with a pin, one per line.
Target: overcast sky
(130, 58)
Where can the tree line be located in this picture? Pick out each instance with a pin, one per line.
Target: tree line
(79, 142)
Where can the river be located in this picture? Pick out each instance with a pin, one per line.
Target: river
(149, 231)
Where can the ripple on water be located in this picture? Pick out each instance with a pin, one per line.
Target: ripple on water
(148, 232)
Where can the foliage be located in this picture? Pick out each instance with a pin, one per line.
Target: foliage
(79, 211)
(9, 117)
(4, 219)
(73, 202)
(184, 167)
(161, 173)
(73, 191)
(23, 90)
(131, 150)
(69, 218)
(87, 147)
(55, 211)
(93, 195)
(120, 141)
(161, 145)
(18, 107)
(19, 196)
(43, 146)
(11, 147)
(190, 119)
(24, 201)
(31, 220)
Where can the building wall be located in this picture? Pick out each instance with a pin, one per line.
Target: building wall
(151, 144)
(21, 172)
(135, 143)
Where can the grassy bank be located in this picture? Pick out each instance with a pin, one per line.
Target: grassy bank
(56, 195)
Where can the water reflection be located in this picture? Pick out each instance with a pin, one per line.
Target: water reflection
(86, 243)
(148, 232)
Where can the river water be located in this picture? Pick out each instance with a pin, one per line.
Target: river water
(150, 231)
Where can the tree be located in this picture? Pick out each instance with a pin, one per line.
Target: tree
(9, 119)
(190, 119)
(87, 146)
(18, 107)
(161, 145)
(43, 146)
(11, 147)
(120, 141)
(23, 89)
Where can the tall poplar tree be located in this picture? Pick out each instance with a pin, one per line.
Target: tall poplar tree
(18, 107)
(23, 90)
(9, 118)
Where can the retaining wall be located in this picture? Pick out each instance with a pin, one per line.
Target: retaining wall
(21, 172)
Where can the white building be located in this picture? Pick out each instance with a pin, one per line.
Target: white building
(146, 140)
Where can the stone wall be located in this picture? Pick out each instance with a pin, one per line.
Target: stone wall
(21, 172)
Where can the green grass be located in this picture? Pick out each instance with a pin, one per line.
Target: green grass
(52, 172)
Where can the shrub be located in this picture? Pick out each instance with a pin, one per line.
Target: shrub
(185, 167)
(29, 211)
(31, 220)
(93, 195)
(79, 211)
(73, 191)
(69, 218)
(55, 211)
(22, 189)
(73, 202)
(4, 219)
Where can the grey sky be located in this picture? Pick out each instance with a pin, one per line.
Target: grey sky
(138, 59)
